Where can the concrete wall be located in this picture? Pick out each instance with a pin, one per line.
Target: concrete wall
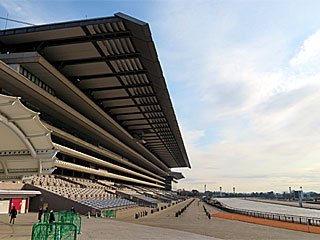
(54, 201)
(10, 186)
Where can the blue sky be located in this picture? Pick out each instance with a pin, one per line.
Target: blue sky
(243, 77)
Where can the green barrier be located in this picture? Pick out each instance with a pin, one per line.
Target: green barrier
(109, 213)
(57, 215)
(76, 220)
(54, 231)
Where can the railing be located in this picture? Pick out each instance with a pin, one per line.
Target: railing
(54, 231)
(269, 215)
(57, 215)
(76, 220)
(65, 217)
(109, 213)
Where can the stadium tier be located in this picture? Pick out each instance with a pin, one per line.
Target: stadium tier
(107, 128)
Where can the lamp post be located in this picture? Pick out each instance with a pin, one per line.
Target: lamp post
(300, 197)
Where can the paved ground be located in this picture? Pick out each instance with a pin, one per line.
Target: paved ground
(22, 228)
(194, 220)
(100, 229)
(192, 224)
(95, 229)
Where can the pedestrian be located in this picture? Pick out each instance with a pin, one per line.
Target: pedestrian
(13, 214)
(51, 220)
(73, 210)
(51, 217)
(40, 214)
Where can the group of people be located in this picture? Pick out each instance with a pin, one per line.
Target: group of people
(13, 213)
(51, 216)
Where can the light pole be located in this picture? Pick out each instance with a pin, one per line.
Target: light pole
(300, 197)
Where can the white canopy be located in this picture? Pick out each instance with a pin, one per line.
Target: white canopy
(25, 143)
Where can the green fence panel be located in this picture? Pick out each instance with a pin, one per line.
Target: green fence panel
(46, 216)
(40, 231)
(76, 220)
(110, 213)
(57, 216)
(54, 231)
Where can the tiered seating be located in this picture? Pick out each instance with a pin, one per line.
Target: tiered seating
(88, 183)
(162, 193)
(100, 194)
(106, 203)
(51, 180)
(132, 193)
(148, 199)
(106, 183)
(70, 188)
(80, 193)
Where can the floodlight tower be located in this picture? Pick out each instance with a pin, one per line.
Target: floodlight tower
(220, 191)
(300, 196)
(290, 193)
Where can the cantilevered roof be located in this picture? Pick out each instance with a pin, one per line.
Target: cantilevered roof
(25, 144)
(113, 60)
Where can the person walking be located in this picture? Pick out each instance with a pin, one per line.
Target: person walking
(51, 219)
(40, 214)
(13, 214)
(73, 210)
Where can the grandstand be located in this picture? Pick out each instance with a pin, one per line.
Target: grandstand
(107, 131)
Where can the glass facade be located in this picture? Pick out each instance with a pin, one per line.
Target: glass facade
(36, 80)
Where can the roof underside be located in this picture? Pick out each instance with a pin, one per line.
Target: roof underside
(112, 60)
(177, 175)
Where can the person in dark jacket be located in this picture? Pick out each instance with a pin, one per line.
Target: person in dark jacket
(73, 210)
(51, 217)
(13, 214)
(40, 214)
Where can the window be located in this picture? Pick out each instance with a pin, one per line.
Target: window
(36, 80)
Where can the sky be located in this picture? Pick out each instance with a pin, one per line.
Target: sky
(244, 79)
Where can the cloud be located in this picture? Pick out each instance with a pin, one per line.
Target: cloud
(309, 53)
(263, 94)
(37, 12)
(24, 10)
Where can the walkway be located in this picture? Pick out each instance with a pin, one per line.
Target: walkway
(192, 224)
(194, 220)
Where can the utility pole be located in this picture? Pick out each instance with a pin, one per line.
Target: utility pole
(300, 197)
(289, 192)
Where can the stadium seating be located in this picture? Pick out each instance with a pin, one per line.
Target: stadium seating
(106, 203)
(101, 194)
(73, 188)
